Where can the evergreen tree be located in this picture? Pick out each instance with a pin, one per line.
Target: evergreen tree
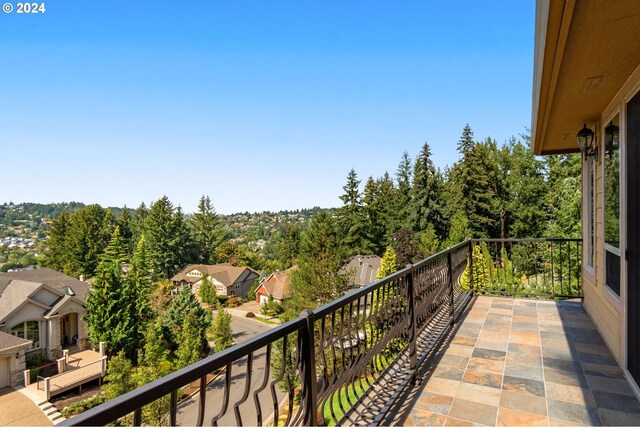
(389, 263)
(207, 292)
(104, 301)
(465, 143)
(208, 232)
(406, 246)
(318, 279)
(351, 216)
(118, 380)
(374, 216)
(167, 237)
(125, 223)
(183, 304)
(221, 330)
(427, 194)
(137, 222)
(189, 342)
(56, 254)
(88, 235)
(403, 199)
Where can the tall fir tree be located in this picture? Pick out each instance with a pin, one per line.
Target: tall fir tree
(125, 222)
(105, 300)
(183, 304)
(208, 232)
(88, 235)
(403, 200)
(56, 254)
(427, 191)
(351, 220)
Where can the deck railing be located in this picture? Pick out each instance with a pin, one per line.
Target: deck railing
(348, 361)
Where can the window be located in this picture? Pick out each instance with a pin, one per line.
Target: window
(612, 207)
(590, 174)
(29, 331)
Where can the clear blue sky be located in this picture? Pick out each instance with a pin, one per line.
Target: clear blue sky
(261, 105)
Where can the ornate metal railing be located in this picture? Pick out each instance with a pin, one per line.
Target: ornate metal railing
(345, 363)
(536, 268)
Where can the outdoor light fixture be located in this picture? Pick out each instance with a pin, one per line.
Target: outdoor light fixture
(611, 138)
(586, 138)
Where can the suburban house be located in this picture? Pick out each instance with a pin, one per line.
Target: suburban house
(227, 279)
(12, 359)
(276, 285)
(587, 82)
(362, 270)
(45, 308)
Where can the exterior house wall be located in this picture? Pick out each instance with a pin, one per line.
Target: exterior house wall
(243, 285)
(261, 291)
(606, 309)
(16, 365)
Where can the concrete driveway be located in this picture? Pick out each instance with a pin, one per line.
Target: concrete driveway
(18, 410)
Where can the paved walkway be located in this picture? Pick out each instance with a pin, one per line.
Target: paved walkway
(18, 410)
(525, 362)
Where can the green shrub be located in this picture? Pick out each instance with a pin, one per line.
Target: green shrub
(222, 299)
(82, 405)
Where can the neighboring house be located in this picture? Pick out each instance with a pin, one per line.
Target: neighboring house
(44, 307)
(225, 278)
(587, 72)
(362, 270)
(12, 359)
(276, 285)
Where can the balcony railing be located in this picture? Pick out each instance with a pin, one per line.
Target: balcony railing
(348, 361)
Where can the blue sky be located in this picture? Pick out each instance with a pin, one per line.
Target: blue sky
(262, 105)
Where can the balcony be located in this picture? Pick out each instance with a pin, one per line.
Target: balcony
(487, 332)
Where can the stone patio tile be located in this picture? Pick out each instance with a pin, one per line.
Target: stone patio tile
(563, 354)
(487, 379)
(524, 359)
(618, 418)
(474, 412)
(569, 393)
(524, 348)
(597, 359)
(527, 338)
(488, 354)
(501, 310)
(424, 418)
(562, 364)
(479, 393)
(448, 372)
(486, 365)
(617, 402)
(492, 345)
(523, 402)
(525, 327)
(557, 344)
(574, 413)
(565, 377)
(556, 422)
(523, 371)
(493, 336)
(454, 360)
(593, 349)
(464, 341)
(602, 370)
(455, 422)
(620, 386)
(459, 349)
(442, 386)
(434, 403)
(510, 417)
(523, 385)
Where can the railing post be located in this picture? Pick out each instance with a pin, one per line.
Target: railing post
(47, 388)
(471, 284)
(27, 377)
(306, 347)
(413, 336)
(450, 271)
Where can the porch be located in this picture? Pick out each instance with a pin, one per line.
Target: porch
(523, 362)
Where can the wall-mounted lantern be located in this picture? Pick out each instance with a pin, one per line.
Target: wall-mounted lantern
(611, 138)
(586, 138)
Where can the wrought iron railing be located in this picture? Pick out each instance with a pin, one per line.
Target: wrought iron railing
(345, 363)
(536, 268)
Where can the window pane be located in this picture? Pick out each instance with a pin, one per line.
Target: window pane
(18, 330)
(612, 190)
(32, 333)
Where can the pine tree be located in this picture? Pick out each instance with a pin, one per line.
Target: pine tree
(56, 254)
(406, 246)
(119, 378)
(374, 216)
(466, 140)
(403, 199)
(318, 279)
(183, 304)
(427, 194)
(389, 263)
(104, 301)
(351, 216)
(208, 232)
(88, 235)
(221, 330)
(125, 222)
(189, 342)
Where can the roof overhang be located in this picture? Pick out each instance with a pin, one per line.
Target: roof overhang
(585, 50)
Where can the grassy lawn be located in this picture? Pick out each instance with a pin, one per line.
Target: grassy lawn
(346, 397)
(267, 321)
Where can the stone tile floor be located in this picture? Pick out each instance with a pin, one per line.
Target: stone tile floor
(525, 362)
